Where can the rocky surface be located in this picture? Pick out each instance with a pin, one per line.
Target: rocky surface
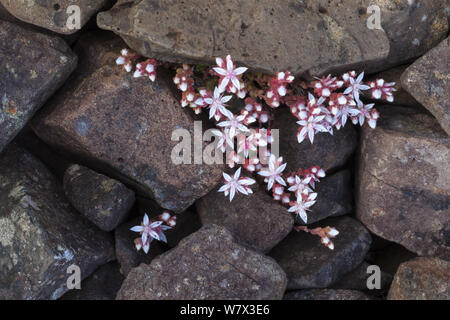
(206, 265)
(403, 181)
(309, 264)
(335, 197)
(126, 253)
(53, 15)
(336, 38)
(111, 119)
(421, 279)
(104, 201)
(257, 221)
(326, 294)
(428, 80)
(32, 67)
(41, 235)
(103, 284)
(330, 152)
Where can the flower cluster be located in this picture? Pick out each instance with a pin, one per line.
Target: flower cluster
(153, 229)
(323, 105)
(325, 234)
(144, 68)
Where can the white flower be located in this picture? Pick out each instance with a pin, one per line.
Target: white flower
(228, 73)
(301, 186)
(309, 127)
(217, 104)
(356, 86)
(273, 172)
(149, 231)
(300, 206)
(223, 139)
(234, 124)
(236, 184)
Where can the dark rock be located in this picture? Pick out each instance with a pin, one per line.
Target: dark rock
(104, 201)
(206, 265)
(32, 67)
(103, 284)
(326, 294)
(256, 221)
(52, 15)
(335, 197)
(336, 37)
(403, 185)
(126, 252)
(330, 152)
(428, 80)
(120, 126)
(40, 234)
(391, 257)
(422, 279)
(309, 264)
(357, 279)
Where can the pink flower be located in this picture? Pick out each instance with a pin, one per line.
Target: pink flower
(146, 68)
(183, 78)
(223, 139)
(236, 184)
(233, 125)
(273, 172)
(150, 230)
(217, 105)
(277, 88)
(325, 86)
(302, 205)
(300, 186)
(229, 75)
(382, 90)
(366, 112)
(309, 127)
(355, 86)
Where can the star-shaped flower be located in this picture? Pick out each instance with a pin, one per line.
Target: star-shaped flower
(234, 124)
(217, 105)
(274, 172)
(355, 86)
(229, 75)
(150, 230)
(235, 184)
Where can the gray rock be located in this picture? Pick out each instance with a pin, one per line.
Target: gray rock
(336, 36)
(40, 234)
(104, 201)
(335, 197)
(357, 279)
(206, 265)
(256, 221)
(103, 284)
(403, 182)
(309, 264)
(32, 67)
(428, 80)
(120, 124)
(53, 15)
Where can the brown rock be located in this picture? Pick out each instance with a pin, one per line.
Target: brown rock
(330, 152)
(53, 15)
(123, 126)
(326, 294)
(428, 80)
(422, 279)
(40, 234)
(309, 264)
(207, 265)
(32, 68)
(403, 184)
(256, 221)
(308, 36)
(104, 201)
(103, 284)
(126, 252)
